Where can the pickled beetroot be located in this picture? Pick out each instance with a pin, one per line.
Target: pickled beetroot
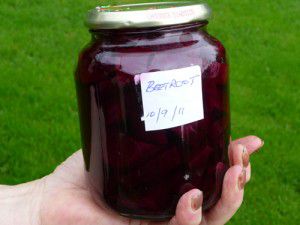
(138, 173)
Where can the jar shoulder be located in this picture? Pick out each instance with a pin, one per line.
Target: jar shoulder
(135, 55)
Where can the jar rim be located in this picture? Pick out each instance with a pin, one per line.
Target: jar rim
(143, 15)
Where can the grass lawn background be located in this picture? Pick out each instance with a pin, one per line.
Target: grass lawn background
(39, 45)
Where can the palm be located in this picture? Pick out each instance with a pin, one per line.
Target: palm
(68, 200)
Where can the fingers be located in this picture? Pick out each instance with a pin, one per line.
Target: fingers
(189, 209)
(231, 199)
(252, 143)
(240, 150)
(239, 155)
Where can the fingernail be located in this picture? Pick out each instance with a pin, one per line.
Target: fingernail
(245, 157)
(262, 143)
(242, 180)
(196, 202)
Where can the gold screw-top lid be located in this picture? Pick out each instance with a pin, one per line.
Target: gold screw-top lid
(146, 15)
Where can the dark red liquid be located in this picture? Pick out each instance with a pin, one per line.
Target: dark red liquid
(143, 174)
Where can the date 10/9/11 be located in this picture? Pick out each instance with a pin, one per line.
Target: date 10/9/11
(162, 113)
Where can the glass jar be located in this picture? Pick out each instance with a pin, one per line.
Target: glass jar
(153, 97)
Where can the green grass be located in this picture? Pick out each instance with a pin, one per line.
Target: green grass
(39, 45)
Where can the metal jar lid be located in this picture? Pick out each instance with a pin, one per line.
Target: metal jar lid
(146, 15)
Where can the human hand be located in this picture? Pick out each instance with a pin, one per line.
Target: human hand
(64, 197)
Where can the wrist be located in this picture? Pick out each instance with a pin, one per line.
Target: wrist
(20, 204)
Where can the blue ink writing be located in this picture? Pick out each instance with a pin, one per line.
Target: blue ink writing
(165, 114)
(155, 86)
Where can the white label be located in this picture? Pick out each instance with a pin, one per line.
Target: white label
(172, 98)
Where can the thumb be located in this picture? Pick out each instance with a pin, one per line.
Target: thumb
(189, 209)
